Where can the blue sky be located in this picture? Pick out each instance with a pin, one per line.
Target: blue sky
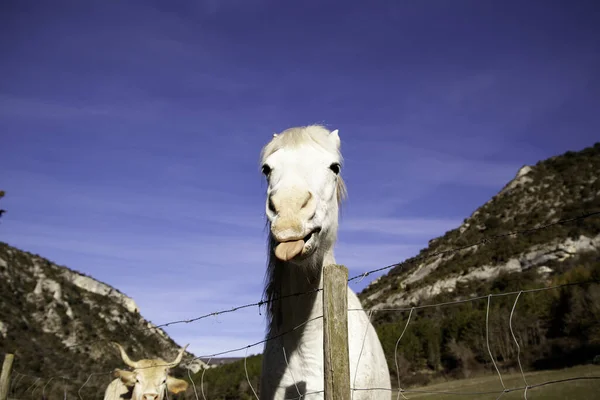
(130, 131)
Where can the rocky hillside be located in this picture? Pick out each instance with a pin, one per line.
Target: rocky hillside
(561, 327)
(58, 322)
(559, 188)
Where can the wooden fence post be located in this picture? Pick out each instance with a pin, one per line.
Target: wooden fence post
(335, 333)
(5, 377)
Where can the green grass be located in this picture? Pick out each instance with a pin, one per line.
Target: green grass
(570, 390)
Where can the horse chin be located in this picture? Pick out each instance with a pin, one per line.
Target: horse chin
(309, 249)
(311, 246)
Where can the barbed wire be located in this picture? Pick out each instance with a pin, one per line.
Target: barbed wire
(471, 299)
(258, 304)
(506, 389)
(295, 328)
(39, 380)
(211, 314)
(481, 393)
(485, 241)
(261, 341)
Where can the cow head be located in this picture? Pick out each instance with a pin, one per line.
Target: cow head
(150, 377)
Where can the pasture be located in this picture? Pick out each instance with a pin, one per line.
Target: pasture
(568, 390)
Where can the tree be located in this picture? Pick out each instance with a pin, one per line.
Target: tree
(2, 211)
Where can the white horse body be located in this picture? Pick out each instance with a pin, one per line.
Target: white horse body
(304, 367)
(302, 208)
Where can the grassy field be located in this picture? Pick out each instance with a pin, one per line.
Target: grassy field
(570, 390)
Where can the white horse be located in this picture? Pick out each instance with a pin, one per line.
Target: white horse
(305, 189)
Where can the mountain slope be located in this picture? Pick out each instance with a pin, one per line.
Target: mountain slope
(58, 322)
(555, 328)
(558, 188)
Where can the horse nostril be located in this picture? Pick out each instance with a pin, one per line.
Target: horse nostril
(272, 206)
(307, 199)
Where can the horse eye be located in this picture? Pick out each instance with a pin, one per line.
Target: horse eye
(335, 167)
(266, 170)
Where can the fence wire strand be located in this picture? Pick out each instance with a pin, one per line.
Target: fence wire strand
(400, 391)
(505, 390)
(512, 332)
(359, 278)
(486, 240)
(487, 340)
(486, 392)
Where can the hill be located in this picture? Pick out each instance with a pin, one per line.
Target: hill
(559, 188)
(58, 322)
(557, 327)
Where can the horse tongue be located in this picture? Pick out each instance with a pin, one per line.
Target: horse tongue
(287, 250)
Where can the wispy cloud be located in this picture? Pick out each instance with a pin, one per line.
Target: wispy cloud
(419, 227)
(178, 250)
(214, 334)
(170, 278)
(11, 106)
(179, 200)
(361, 258)
(390, 174)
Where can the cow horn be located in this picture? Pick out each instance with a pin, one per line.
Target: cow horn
(125, 357)
(177, 359)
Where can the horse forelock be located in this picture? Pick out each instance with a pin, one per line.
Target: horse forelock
(311, 135)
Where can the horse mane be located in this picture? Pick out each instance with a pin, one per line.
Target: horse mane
(311, 135)
(273, 280)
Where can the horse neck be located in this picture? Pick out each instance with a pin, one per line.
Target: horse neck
(298, 287)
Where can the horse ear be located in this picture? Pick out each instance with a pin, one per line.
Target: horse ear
(335, 136)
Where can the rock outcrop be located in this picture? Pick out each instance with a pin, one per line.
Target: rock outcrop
(559, 188)
(50, 314)
(536, 257)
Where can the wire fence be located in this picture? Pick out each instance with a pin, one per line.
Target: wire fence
(24, 386)
(504, 387)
